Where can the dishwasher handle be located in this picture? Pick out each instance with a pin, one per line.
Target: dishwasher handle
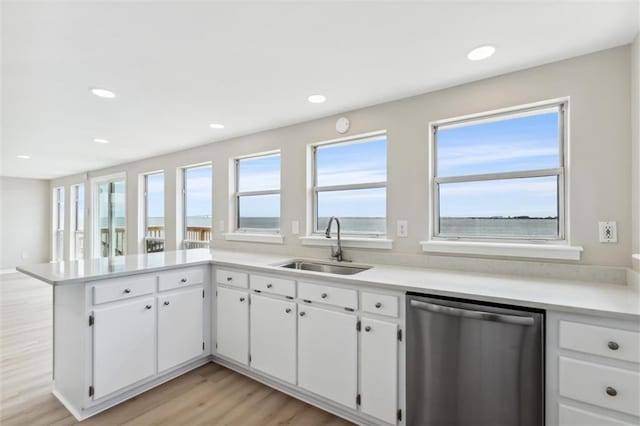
(472, 314)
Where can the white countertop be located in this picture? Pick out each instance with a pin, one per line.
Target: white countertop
(605, 299)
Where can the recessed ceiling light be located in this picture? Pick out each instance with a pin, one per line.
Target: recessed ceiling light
(317, 99)
(216, 126)
(103, 93)
(23, 157)
(481, 52)
(98, 140)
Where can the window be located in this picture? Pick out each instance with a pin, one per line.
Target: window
(500, 176)
(109, 216)
(258, 194)
(77, 222)
(154, 212)
(197, 218)
(58, 224)
(350, 182)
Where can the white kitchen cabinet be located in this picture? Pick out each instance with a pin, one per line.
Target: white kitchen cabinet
(124, 350)
(232, 324)
(180, 327)
(379, 369)
(327, 354)
(273, 337)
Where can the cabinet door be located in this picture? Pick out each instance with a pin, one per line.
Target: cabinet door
(379, 369)
(273, 337)
(327, 354)
(123, 345)
(233, 324)
(180, 327)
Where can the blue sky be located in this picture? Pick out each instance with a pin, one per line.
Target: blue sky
(525, 143)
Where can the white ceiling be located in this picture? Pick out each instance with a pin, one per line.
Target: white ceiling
(178, 66)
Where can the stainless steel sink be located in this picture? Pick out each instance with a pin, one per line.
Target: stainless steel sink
(329, 268)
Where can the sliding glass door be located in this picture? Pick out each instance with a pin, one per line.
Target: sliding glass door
(110, 231)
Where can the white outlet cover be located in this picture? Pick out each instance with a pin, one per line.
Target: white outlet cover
(221, 225)
(403, 228)
(295, 227)
(608, 232)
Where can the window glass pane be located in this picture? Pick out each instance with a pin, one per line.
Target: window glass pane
(525, 207)
(259, 211)
(80, 208)
(359, 210)
(155, 202)
(259, 174)
(60, 208)
(352, 163)
(197, 207)
(506, 145)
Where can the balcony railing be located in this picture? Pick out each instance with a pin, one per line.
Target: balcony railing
(119, 243)
(196, 237)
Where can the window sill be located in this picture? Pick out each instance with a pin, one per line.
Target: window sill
(254, 237)
(523, 250)
(349, 242)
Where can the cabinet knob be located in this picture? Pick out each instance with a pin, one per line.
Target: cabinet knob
(166, 303)
(242, 299)
(303, 314)
(378, 305)
(323, 295)
(611, 391)
(148, 307)
(613, 346)
(269, 285)
(367, 328)
(229, 278)
(288, 310)
(127, 290)
(183, 280)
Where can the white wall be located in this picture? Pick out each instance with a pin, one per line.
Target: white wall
(25, 226)
(635, 141)
(599, 167)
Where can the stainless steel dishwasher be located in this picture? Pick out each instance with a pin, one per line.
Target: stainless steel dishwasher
(473, 364)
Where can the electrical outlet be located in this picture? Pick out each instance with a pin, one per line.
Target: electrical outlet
(295, 227)
(221, 225)
(403, 228)
(608, 232)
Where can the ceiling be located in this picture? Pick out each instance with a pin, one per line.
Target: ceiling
(178, 66)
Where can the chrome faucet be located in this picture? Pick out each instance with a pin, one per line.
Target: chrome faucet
(335, 252)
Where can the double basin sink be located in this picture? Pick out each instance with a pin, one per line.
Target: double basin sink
(326, 267)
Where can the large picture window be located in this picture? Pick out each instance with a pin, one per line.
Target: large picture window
(500, 176)
(58, 224)
(258, 193)
(197, 218)
(154, 212)
(350, 182)
(77, 222)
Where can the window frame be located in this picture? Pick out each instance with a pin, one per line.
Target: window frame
(238, 194)
(559, 105)
(58, 223)
(315, 188)
(186, 243)
(76, 213)
(146, 210)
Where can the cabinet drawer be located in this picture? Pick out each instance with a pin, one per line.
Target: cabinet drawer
(571, 416)
(590, 383)
(112, 290)
(267, 284)
(236, 279)
(343, 297)
(382, 304)
(602, 341)
(180, 278)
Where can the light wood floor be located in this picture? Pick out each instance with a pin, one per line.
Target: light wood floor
(210, 394)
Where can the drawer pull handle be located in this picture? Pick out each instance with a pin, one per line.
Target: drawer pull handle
(269, 285)
(148, 307)
(288, 310)
(611, 391)
(367, 328)
(378, 305)
(183, 280)
(613, 346)
(166, 303)
(242, 299)
(303, 314)
(229, 278)
(323, 295)
(127, 290)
